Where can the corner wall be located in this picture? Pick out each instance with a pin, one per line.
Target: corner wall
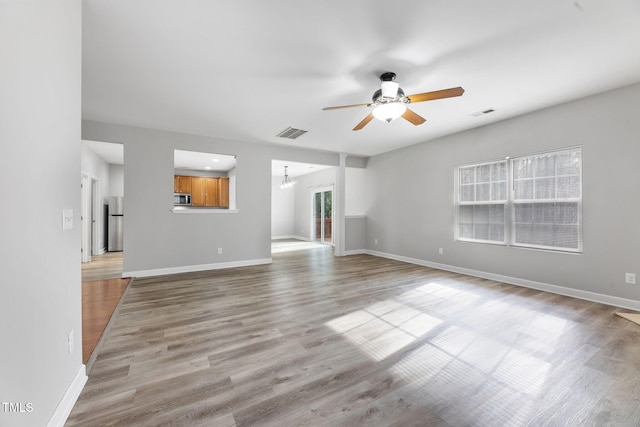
(411, 209)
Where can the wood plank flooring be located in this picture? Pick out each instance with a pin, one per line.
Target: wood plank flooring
(102, 288)
(318, 340)
(102, 267)
(99, 300)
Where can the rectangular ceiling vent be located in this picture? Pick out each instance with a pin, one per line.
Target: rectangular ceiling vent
(291, 133)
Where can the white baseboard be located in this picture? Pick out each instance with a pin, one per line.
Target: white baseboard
(193, 268)
(69, 399)
(355, 252)
(555, 289)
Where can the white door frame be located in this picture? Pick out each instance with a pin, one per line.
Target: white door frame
(85, 217)
(96, 223)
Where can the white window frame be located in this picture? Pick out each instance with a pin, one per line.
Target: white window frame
(511, 203)
(460, 202)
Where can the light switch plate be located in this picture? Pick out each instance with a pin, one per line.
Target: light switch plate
(67, 219)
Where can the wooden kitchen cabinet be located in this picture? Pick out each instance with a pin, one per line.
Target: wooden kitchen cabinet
(181, 184)
(209, 192)
(197, 191)
(223, 192)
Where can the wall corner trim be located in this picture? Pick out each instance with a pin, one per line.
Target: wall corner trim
(69, 399)
(555, 289)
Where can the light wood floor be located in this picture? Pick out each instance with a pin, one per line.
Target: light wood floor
(102, 267)
(317, 340)
(102, 288)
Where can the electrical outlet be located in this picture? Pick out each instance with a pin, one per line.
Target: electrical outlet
(630, 278)
(219, 251)
(375, 241)
(70, 342)
(441, 251)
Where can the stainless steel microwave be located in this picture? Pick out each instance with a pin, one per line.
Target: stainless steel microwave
(182, 199)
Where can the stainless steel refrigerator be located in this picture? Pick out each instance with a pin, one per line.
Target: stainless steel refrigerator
(116, 222)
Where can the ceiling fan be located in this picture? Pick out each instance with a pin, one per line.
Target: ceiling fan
(389, 102)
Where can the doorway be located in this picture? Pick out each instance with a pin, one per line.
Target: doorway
(323, 215)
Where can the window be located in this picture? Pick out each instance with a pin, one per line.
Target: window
(482, 200)
(547, 198)
(540, 208)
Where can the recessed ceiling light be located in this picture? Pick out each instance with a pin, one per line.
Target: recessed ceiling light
(215, 160)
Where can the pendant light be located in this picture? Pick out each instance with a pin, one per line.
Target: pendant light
(286, 182)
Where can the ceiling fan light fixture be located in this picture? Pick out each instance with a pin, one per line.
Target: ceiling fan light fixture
(389, 111)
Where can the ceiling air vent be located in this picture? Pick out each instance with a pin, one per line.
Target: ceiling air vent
(291, 133)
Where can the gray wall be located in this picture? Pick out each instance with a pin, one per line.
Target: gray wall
(157, 240)
(355, 185)
(355, 234)
(411, 194)
(40, 157)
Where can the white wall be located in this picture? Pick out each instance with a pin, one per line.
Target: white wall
(116, 181)
(282, 210)
(411, 192)
(40, 79)
(95, 167)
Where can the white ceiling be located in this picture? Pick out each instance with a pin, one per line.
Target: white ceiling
(111, 153)
(246, 70)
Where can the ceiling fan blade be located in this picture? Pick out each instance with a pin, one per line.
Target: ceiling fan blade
(345, 106)
(414, 118)
(364, 122)
(438, 94)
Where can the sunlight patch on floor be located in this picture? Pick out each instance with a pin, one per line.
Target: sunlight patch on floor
(384, 328)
